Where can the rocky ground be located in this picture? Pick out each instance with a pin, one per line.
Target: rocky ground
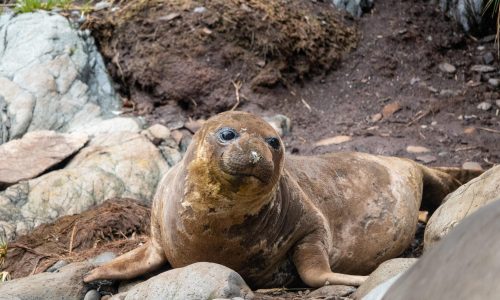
(404, 79)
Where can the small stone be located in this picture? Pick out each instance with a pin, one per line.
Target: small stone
(102, 5)
(199, 9)
(171, 155)
(494, 82)
(427, 159)
(488, 58)
(484, 106)
(434, 123)
(414, 80)
(432, 89)
(102, 258)
(156, 133)
(480, 48)
(194, 125)
(471, 165)
(55, 267)
(447, 68)
(470, 130)
(497, 102)
(339, 139)
(376, 117)
(482, 68)
(281, 123)
(177, 136)
(442, 153)
(332, 291)
(169, 17)
(92, 295)
(390, 109)
(417, 149)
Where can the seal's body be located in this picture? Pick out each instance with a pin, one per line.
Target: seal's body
(236, 199)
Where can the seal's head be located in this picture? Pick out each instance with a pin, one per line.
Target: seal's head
(235, 155)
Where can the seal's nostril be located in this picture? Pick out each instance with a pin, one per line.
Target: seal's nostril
(254, 157)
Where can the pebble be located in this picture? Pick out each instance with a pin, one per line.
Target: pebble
(488, 58)
(497, 102)
(200, 9)
(102, 258)
(156, 133)
(339, 139)
(55, 267)
(484, 106)
(448, 93)
(472, 165)
(102, 5)
(376, 117)
(281, 123)
(414, 80)
(92, 295)
(417, 149)
(482, 68)
(447, 68)
(426, 158)
(494, 82)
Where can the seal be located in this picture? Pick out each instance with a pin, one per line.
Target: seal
(238, 200)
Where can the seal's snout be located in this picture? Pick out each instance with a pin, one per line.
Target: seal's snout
(254, 157)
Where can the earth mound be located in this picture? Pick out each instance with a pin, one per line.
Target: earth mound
(196, 53)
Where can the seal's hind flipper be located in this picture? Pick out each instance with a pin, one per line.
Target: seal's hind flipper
(440, 181)
(149, 257)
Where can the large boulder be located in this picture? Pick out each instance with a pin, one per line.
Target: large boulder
(122, 164)
(36, 152)
(198, 281)
(470, 14)
(464, 265)
(461, 203)
(384, 272)
(51, 77)
(354, 7)
(66, 283)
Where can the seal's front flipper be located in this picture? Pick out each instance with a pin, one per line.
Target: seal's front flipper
(311, 261)
(149, 257)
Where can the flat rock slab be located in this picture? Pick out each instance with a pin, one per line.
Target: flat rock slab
(464, 201)
(67, 283)
(464, 265)
(36, 152)
(194, 282)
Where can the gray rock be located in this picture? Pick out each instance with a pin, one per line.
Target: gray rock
(384, 272)
(52, 76)
(488, 58)
(92, 295)
(497, 102)
(482, 68)
(447, 68)
(379, 291)
(120, 164)
(426, 159)
(55, 267)
(471, 165)
(282, 124)
(484, 106)
(65, 284)
(197, 281)
(156, 133)
(102, 258)
(171, 155)
(354, 7)
(332, 291)
(461, 203)
(494, 82)
(464, 265)
(102, 5)
(36, 152)
(468, 13)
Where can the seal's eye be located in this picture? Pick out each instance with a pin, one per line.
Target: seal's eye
(273, 142)
(227, 134)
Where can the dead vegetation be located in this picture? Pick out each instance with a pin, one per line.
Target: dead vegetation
(117, 225)
(191, 51)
